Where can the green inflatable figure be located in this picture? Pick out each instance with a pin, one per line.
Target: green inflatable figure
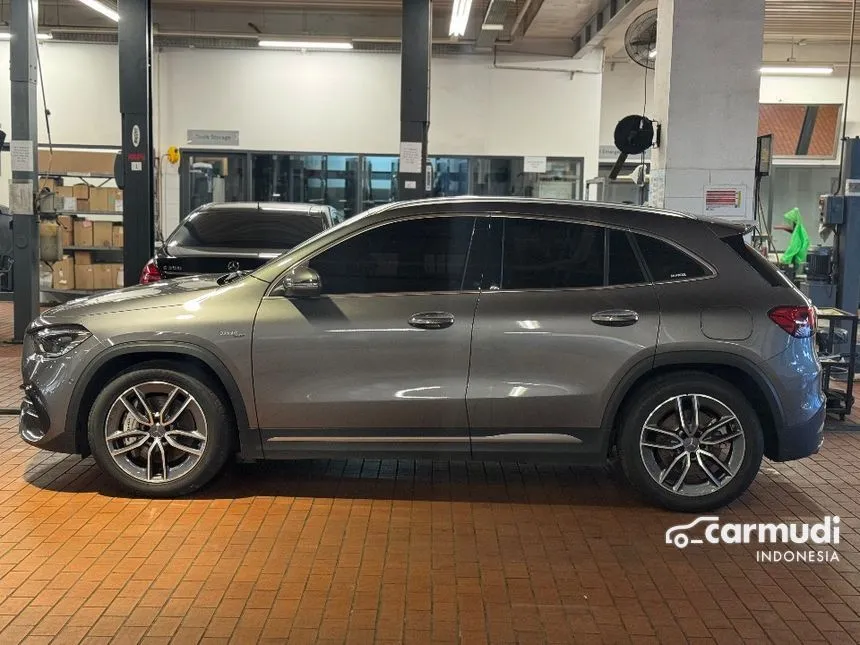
(798, 246)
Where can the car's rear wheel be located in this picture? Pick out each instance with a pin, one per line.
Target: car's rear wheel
(160, 432)
(690, 442)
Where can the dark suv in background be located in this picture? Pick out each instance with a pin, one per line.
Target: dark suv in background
(462, 328)
(236, 237)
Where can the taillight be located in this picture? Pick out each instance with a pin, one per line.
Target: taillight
(150, 273)
(797, 321)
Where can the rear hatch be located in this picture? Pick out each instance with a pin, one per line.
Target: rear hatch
(221, 240)
(179, 260)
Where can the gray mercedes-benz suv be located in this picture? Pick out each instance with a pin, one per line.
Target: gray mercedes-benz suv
(480, 328)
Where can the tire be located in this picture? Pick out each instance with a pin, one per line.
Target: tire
(139, 466)
(656, 405)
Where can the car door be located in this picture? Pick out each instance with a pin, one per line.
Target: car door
(380, 361)
(566, 313)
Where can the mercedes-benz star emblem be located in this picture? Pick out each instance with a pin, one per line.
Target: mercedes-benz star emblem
(233, 265)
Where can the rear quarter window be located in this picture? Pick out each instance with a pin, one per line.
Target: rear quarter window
(757, 261)
(666, 262)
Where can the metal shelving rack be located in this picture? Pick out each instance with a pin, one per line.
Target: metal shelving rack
(838, 402)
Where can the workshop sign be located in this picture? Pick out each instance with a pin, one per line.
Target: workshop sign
(213, 137)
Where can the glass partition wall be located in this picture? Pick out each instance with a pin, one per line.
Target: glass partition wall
(352, 183)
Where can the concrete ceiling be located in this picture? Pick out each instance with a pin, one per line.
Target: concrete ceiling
(529, 25)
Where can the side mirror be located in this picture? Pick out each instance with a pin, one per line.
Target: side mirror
(302, 282)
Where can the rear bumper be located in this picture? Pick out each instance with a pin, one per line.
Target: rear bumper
(802, 439)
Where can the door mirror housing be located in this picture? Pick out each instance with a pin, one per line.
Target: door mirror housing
(302, 282)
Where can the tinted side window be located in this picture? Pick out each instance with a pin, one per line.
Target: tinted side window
(250, 229)
(624, 267)
(541, 254)
(417, 255)
(665, 262)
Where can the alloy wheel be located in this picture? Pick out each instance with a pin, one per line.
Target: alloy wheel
(156, 432)
(692, 444)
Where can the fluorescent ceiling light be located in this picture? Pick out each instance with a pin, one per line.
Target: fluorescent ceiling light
(460, 17)
(294, 44)
(492, 27)
(102, 8)
(5, 35)
(786, 70)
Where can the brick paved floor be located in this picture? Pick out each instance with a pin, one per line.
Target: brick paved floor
(410, 552)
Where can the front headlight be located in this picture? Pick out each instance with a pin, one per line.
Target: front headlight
(56, 341)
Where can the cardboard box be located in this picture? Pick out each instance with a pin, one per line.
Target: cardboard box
(77, 161)
(63, 273)
(82, 205)
(65, 191)
(103, 276)
(83, 232)
(118, 236)
(67, 229)
(83, 257)
(50, 202)
(117, 276)
(84, 277)
(102, 233)
(101, 200)
(117, 201)
(81, 191)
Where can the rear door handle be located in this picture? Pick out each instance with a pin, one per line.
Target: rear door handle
(615, 318)
(432, 320)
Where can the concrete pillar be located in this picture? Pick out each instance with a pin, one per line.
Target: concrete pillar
(706, 96)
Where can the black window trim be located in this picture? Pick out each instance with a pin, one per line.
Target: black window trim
(571, 220)
(274, 290)
(712, 272)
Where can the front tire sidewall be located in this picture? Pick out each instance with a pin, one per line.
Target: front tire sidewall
(215, 453)
(647, 400)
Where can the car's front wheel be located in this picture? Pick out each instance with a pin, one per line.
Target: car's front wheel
(160, 432)
(690, 442)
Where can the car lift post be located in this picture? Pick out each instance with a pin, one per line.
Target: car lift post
(414, 98)
(135, 167)
(23, 68)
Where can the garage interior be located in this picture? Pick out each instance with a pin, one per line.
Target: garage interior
(125, 117)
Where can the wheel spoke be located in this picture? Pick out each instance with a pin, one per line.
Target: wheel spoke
(175, 415)
(122, 434)
(132, 446)
(726, 439)
(710, 475)
(668, 433)
(717, 425)
(196, 436)
(181, 446)
(683, 476)
(648, 444)
(695, 427)
(674, 463)
(163, 460)
(135, 413)
(149, 461)
(719, 463)
(680, 409)
(167, 403)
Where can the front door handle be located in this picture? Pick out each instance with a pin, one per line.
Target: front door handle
(615, 318)
(432, 320)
